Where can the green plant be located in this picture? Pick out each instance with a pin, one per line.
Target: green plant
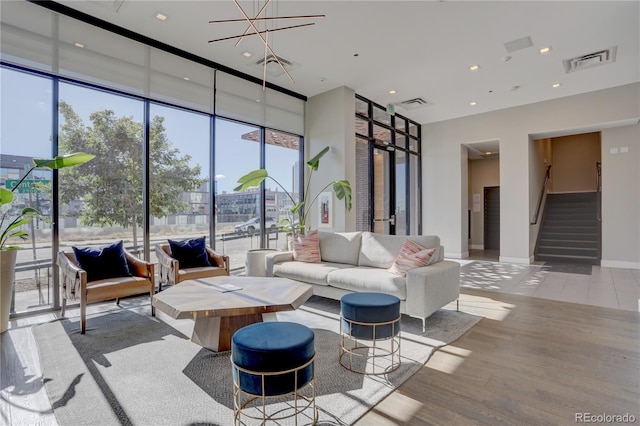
(12, 229)
(301, 209)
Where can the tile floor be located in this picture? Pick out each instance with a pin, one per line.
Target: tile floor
(607, 287)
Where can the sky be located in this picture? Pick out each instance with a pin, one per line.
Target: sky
(25, 128)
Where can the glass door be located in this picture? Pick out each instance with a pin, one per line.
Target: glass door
(384, 219)
(388, 151)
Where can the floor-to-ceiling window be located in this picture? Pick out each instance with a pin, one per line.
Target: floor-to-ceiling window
(101, 201)
(282, 161)
(238, 215)
(391, 198)
(179, 158)
(25, 133)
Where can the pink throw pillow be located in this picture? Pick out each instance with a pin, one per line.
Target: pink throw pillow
(411, 256)
(306, 248)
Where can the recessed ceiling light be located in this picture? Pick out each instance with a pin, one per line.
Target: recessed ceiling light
(247, 54)
(556, 85)
(160, 16)
(473, 103)
(545, 50)
(392, 92)
(474, 67)
(186, 78)
(78, 44)
(487, 153)
(258, 100)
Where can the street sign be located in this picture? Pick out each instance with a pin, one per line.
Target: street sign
(28, 186)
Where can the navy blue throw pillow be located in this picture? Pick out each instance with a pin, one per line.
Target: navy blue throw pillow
(103, 262)
(190, 253)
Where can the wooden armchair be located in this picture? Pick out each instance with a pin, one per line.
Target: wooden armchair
(171, 273)
(74, 282)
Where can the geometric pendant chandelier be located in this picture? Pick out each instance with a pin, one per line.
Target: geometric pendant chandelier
(252, 30)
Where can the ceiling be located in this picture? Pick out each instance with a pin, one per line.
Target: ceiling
(420, 49)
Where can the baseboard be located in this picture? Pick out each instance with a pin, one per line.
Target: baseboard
(519, 260)
(477, 246)
(456, 255)
(619, 264)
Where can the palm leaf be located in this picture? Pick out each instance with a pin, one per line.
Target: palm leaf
(63, 161)
(6, 196)
(314, 163)
(342, 188)
(251, 179)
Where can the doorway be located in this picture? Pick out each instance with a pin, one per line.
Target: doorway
(492, 218)
(384, 218)
(390, 206)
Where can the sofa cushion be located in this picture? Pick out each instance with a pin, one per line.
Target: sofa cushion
(306, 248)
(314, 273)
(340, 247)
(381, 250)
(368, 279)
(412, 255)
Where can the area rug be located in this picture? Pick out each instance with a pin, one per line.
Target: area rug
(134, 369)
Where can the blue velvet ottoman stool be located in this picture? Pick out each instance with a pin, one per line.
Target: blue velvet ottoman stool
(370, 332)
(273, 360)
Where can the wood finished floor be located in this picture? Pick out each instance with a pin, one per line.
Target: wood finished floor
(529, 361)
(538, 363)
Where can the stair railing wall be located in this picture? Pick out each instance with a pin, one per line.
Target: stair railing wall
(599, 205)
(599, 189)
(543, 192)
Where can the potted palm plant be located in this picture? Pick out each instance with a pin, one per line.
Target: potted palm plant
(12, 228)
(296, 223)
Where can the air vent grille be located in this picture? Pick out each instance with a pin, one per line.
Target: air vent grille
(601, 57)
(519, 44)
(414, 103)
(273, 68)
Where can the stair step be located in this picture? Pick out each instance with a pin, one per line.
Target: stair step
(570, 229)
(569, 236)
(565, 258)
(575, 215)
(569, 251)
(569, 243)
(576, 196)
(568, 221)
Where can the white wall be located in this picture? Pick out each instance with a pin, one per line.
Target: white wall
(621, 198)
(330, 121)
(514, 128)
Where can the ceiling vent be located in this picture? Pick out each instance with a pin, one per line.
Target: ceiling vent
(601, 57)
(414, 103)
(273, 67)
(113, 5)
(519, 44)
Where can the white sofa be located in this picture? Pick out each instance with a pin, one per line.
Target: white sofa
(358, 261)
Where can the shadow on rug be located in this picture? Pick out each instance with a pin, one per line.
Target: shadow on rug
(131, 368)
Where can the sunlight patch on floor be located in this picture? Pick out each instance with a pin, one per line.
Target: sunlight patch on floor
(393, 410)
(484, 306)
(448, 358)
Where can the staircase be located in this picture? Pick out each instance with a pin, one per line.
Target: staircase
(570, 230)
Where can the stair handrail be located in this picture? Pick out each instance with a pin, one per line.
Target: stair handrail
(599, 190)
(547, 177)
